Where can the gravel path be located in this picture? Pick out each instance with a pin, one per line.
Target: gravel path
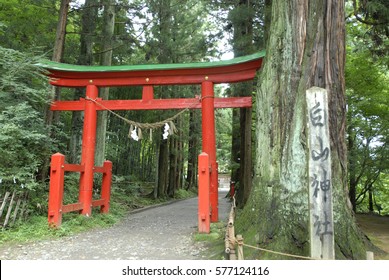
(164, 233)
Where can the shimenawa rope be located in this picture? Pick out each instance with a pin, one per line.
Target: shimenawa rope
(150, 126)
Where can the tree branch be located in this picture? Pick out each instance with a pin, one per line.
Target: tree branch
(365, 21)
(360, 19)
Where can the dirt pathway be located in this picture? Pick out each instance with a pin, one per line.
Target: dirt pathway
(377, 229)
(164, 232)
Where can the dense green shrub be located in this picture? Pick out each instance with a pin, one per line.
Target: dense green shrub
(24, 141)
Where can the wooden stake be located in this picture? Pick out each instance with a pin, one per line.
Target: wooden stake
(9, 209)
(4, 203)
(25, 198)
(239, 240)
(15, 214)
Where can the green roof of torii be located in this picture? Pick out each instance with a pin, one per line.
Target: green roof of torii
(223, 71)
(56, 66)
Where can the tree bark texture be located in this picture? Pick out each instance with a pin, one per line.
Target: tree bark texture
(59, 43)
(241, 152)
(163, 169)
(246, 172)
(166, 166)
(61, 31)
(235, 146)
(88, 25)
(58, 50)
(193, 149)
(106, 59)
(353, 178)
(305, 48)
(173, 164)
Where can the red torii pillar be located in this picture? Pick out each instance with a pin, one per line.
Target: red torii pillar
(209, 143)
(88, 150)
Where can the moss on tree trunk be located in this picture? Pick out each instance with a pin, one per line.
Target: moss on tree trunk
(305, 48)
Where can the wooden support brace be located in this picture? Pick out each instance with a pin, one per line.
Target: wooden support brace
(72, 207)
(74, 167)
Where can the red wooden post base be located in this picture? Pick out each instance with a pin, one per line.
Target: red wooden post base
(57, 174)
(106, 186)
(204, 215)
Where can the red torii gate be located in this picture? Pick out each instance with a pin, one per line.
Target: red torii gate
(92, 77)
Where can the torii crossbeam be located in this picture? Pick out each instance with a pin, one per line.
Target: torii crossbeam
(206, 74)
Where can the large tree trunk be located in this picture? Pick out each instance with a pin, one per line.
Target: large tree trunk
(353, 179)
(58, 53)
(106, 59)
(163, 12)
(88, 26)
(59, 43)
(305, 48)
(180, 153)
(163, 168)
(246, 172)
(371, 204)
(235, 146)
(173, 165)
(241, 153)
(193, 149)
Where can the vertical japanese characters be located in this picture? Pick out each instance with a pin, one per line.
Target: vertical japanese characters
(319, 173)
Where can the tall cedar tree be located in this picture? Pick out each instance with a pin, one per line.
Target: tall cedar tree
(88, 26)
(106, 59)
(241, 149)
(305, 48)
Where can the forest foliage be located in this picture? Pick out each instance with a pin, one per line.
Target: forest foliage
(24, 141)
(367, 90)
(170, 31)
